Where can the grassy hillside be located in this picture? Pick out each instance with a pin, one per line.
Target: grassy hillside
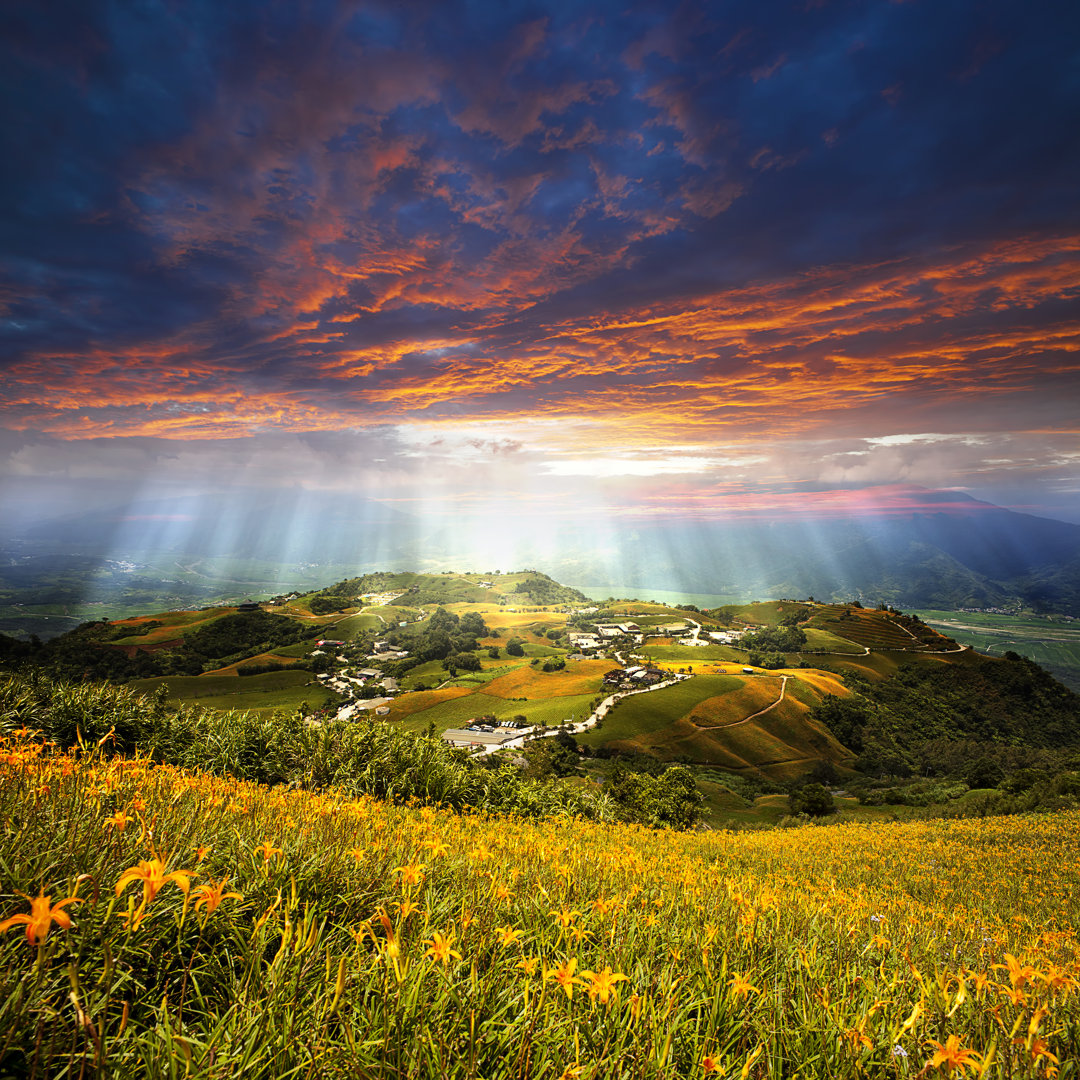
(705, 720)
(287, 933)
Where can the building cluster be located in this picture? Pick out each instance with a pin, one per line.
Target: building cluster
(632, 677)
(487, 731)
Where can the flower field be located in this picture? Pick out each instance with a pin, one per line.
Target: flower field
(158, 922)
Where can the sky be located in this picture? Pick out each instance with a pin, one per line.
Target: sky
(545, 262)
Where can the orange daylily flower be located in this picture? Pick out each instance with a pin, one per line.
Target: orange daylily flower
(119, 821)
(565, 977)
(740, 986)
(441, 948)
(411, 874)
(507, 935)
(268, 851)
(212, 895)
(42, 916)
(952, 1055)
(603, 984)
(711, 1064)
(151, 872)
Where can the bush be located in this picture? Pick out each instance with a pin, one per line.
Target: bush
(812, 799)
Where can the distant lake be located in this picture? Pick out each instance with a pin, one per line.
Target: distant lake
(656, 596)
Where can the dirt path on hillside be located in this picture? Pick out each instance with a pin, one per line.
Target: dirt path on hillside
(752, 716)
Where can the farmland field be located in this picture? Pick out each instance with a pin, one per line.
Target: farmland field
(314, 934)
(1052, 641)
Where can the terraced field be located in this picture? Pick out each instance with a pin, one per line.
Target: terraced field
(873, 629)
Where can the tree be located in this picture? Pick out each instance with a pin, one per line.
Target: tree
(514, 647)
(812, 799)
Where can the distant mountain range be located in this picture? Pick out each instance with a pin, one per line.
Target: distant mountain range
(968, 554)
(972, 555)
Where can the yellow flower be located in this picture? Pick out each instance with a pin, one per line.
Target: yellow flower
(528, 965)
(268, 851)
(740, 986)
(441, 949)
(412, 874)
(212, 895)
(603, 984)
(564, 917)
(119, 821)
(406, 908)
(952, 1055)
(152, 874)
(564, 976)
(571, 1072)
(42, 916)
(710, 1064)
(1019, 974)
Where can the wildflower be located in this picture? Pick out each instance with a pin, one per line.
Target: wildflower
(952, 1055)
(42, 916)
(152, 874)
(268, 851)
(202, 851)
(212, 895)
(710, 1064)
(441, 947)
(899, 1053)
(1019, 974)
(740, 986)
(119, 821)
(507, 935)
(571, 1072)
(564, 917)
(436, 847)
(603, 984)
(858, 1039)
(528, 965)
(564, 976)
(412, 874)
(406, 908)
(358, 854)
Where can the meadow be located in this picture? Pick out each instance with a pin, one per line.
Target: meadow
(163, 922)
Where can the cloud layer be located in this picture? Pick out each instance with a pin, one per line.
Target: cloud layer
(516, 248)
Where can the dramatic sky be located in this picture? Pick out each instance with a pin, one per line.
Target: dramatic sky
(556, 259)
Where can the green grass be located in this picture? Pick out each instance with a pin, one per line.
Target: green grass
(260, 693)
(453, 713)
(767, 612)
(644, 714)
(822, 640)
(688, 654)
